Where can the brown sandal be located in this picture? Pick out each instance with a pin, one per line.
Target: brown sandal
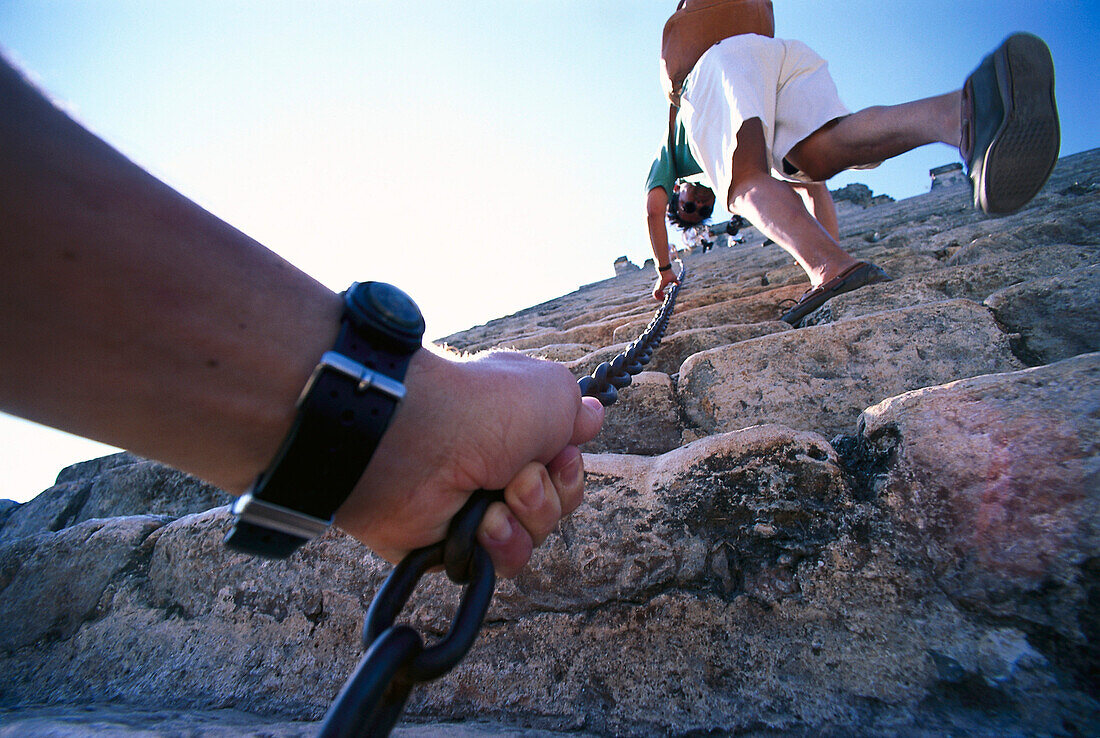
(858, 275)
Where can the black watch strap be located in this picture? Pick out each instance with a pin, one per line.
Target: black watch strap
(343, 412)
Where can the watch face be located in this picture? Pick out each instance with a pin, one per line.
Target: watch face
(387, 309)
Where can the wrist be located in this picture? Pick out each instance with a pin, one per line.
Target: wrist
(289, 375)
(428, 374)
(341, 416)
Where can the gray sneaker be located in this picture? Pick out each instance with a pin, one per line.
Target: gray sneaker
(1010, 131)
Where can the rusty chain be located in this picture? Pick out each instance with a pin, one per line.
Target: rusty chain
(396, 659)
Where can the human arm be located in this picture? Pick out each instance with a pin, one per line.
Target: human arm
(656, 206)
(132, 316)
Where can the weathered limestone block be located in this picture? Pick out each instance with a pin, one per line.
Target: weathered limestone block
(1057, 317)
(52, 582)
(177, 619)
(116, 485)
(527, 340)
(705, 291)
(1064, 219)
(7, 507)
(739, 583)
(975, 244)
(627, 307)
(995, 482)
(1071, 219)
(731, 512)
(562, 352)
(627, 332)
(50, 510)
(898, 263)
(675, 347)
(682, 663)
(756, 308)
(907, 213)
(587, 363)
(971, 281)
(645, 419)
(556, 321)
(124, 721)
(523, 323)
(145, 611)
(821, 378)
(761, 305)
(593, 334)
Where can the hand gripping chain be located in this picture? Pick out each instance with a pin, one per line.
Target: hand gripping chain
(396, 658)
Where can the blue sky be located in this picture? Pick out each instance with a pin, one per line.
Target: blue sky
(485, 156)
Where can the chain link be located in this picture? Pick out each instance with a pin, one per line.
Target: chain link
(396, 658)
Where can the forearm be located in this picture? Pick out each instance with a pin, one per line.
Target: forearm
(656, 204)
(132, 316)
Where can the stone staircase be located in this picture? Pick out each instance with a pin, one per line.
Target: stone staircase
(882, 523)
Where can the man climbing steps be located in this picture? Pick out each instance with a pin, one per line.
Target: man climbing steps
(758, 121)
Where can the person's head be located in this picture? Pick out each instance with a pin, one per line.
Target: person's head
(690, 204)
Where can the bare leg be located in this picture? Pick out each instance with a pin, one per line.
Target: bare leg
(879, 133)
(819, 201)
(776, 209)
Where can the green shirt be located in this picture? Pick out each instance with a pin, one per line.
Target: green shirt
(666, 170)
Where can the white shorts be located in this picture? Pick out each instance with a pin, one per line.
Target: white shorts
(783, 83)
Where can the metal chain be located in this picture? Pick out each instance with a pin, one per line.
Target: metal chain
(396, 658)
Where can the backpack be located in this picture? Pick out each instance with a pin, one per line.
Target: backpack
(699, 24)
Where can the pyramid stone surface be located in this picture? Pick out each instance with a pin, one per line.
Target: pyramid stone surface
(883, 523)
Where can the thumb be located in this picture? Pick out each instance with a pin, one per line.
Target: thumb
(588, 421)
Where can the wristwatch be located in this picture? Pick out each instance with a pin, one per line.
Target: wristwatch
(342, 413)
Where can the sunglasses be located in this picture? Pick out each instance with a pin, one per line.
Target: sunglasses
(689, 208)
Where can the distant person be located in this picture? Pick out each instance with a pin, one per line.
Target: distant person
(762, 118)
(727, 233)
(132, 316)
(697, 238)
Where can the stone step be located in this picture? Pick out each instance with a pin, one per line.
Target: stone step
(646, 419)
(764, 565)
(676, 347)
(820, 378)
(974, 281)
(882, 523)
(1056, 317)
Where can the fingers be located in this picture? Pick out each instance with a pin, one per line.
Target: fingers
(533, 499)
(534, 502)
(567, 473)
(666, 278)
(508, 543)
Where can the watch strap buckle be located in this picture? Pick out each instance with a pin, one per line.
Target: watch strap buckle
(265, 514)
(367, 379)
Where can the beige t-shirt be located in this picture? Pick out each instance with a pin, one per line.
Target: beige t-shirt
(699, 24)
